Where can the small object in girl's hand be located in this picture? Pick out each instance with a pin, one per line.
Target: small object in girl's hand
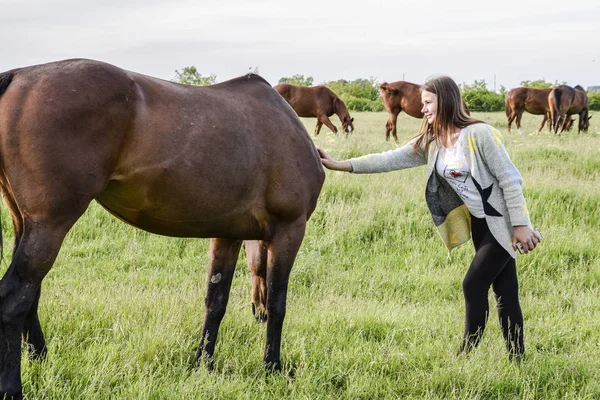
(540, 237)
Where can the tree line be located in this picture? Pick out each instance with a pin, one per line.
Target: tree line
(363, 94)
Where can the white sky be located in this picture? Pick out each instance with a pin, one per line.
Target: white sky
(513, 40)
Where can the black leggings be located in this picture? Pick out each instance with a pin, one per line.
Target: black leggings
(491, 266)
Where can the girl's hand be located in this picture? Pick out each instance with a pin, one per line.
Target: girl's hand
(330, 163)
(527, 237)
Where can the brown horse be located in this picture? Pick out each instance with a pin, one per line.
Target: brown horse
(534, 101)
(230, 162)
(565, 101)
(399, 96)
(317, 102)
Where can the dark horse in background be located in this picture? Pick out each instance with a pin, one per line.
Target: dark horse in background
(230, 162)
(534, 101)
(317, 102)
(565, 101)
(401, 96)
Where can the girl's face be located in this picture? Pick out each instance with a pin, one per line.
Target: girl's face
(430, 105)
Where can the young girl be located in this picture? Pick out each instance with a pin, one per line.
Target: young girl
(473, 189)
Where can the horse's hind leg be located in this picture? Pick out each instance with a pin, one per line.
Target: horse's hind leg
(19, 293)
(256, 254)
(223, 257)
(511, 118)
(32, 331)
(282, 252)
(391, 127)
(518, 123)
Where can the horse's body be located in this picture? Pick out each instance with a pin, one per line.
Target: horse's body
(317, 102)
(229, 161)
(521, 99)
(397, 97)
(565, 101)
(534, 101)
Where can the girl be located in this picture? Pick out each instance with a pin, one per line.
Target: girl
(473, 189)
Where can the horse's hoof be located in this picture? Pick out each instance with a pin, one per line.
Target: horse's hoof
(259, 312)
(273, 367)
(11, 396)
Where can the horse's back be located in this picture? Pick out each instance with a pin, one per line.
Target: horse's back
(160, 155)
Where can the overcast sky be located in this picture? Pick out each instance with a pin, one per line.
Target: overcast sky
(511, 40)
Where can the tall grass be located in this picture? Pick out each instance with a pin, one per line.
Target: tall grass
(375, 307)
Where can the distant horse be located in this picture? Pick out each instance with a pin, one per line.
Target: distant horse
(230, 162)
(317, 102)
(401, 96)
(534, 101)
(565, 101)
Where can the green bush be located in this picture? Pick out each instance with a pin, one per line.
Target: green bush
(479, 98)
(594, 101)
(361, 103)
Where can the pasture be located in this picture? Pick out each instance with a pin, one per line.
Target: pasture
(375, 308)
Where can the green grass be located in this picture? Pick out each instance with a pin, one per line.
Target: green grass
(375, 307)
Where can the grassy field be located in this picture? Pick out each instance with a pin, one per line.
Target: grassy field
(375, 307)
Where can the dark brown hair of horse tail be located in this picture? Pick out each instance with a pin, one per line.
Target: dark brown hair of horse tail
(556, 109)
(5, 80)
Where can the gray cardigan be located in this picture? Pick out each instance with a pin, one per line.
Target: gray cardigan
(495, 177)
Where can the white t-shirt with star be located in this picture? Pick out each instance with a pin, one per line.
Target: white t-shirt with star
(452, 165)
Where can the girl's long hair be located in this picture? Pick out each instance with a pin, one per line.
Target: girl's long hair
(452, 112)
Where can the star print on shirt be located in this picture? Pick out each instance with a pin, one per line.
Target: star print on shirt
(485, 195)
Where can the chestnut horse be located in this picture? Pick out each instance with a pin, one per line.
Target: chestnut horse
(534, 101)
(230, 162)
(565, 101)
(399, 96)
(317, 102)
(402, 96)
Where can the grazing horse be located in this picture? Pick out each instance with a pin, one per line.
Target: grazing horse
(398, 96)
(534, 101)
(565, 101)
(230, 162)
(317, 102)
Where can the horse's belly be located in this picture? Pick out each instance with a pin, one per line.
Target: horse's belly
(195, 210)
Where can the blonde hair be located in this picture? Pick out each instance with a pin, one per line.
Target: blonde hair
(451, 111)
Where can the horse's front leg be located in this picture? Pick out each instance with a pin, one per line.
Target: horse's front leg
(223, 257)
(318, 127)
(282, 252)
(543, 123)
(256, 254)
(325, 120)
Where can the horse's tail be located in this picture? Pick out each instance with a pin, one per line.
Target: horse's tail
(554, 105)
(507, 107)
(5, 80)
(386, 88)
